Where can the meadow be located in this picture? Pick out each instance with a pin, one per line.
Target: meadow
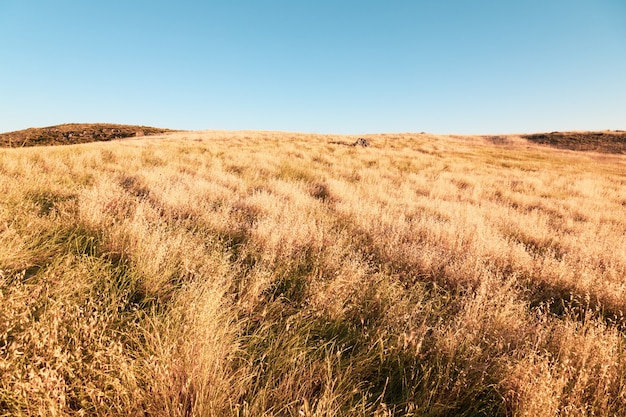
(279, 274)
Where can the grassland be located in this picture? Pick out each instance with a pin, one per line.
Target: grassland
(276, 274)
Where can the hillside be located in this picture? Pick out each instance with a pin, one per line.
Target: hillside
(606, 142)
(74, 133)
(283, 274)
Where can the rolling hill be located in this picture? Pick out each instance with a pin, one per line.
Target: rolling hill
(74, 133)
(606, 142)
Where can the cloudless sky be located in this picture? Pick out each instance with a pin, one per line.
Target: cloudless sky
(445, 66)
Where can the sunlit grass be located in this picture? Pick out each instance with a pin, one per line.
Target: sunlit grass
(261, 273)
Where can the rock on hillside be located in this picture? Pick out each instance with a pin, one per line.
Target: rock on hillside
(73, 133)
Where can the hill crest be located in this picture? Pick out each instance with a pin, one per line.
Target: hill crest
(74, 133)
(613, 142)
(604, 141)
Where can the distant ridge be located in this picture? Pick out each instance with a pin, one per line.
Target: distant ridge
(605, 142)
(74, 133)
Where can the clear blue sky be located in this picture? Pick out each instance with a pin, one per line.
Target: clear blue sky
(445, 66)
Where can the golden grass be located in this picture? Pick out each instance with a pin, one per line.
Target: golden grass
(277, 274)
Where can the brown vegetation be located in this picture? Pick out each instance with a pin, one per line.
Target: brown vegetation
(276, 274)
(74, 133)
(606, 142)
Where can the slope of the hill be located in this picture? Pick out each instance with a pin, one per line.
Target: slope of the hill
(74, 133)
(277, 274)
(605, 142)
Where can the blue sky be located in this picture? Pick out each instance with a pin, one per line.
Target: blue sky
(444, 66)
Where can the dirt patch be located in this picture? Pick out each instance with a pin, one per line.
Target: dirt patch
(73, 133)
(605, 142)
(497, 140)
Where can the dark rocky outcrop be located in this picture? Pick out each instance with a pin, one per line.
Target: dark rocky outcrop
(361, 142)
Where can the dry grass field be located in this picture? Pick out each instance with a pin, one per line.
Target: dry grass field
(277, 274)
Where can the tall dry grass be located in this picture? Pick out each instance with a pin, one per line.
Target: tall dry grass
(275, 274)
